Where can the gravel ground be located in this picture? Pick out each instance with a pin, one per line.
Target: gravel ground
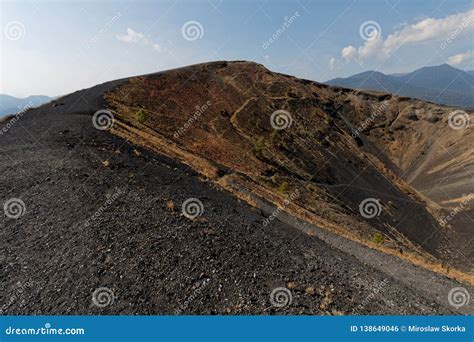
(103, 233)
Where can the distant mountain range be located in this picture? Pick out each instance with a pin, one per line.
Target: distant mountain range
(442, 84)
(11, 105)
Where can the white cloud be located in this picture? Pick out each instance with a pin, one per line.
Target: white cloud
(461, 58)
(332, 63)
(134, 37)
(426, 30)
(349, 53)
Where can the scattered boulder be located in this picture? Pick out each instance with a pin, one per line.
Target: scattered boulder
(431, 118)
(397, 126)
(412, 117)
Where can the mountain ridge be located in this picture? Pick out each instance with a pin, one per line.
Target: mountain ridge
(11, 104)
(442, 84)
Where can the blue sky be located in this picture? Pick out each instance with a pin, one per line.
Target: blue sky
(56, 47)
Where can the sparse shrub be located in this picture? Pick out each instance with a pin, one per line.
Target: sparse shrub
(327, 299)
(258, 147)
(170, 205)
(283, 188)
(318, 134)
(324, 143)
(141, 115)
(273, 136)
(137, 80)
(274, 179)
(378, 238)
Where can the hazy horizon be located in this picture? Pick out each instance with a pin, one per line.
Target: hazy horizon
(322, 81)
(89, 43)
